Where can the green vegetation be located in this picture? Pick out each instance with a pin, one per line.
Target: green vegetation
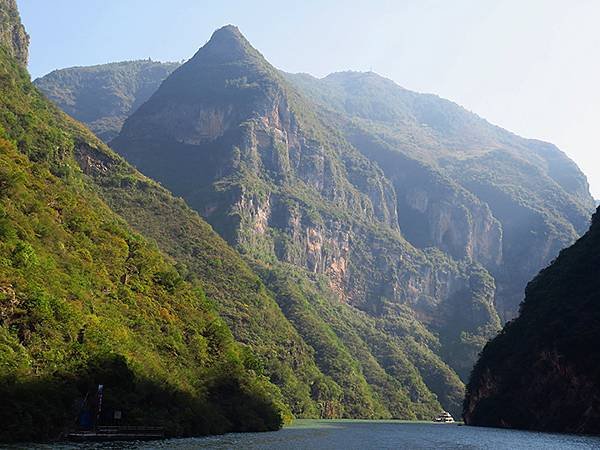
(233, 288)
(384, 233)
(377, 370)
(85, 300)
(541, 372)
(257, 320)
(103, 96)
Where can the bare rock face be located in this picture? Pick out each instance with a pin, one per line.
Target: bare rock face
(91, 160)
(434, 211)
(13, 36)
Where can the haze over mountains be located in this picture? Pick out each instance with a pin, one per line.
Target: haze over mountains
(104, 96)
(401, 211)
(372, 239)
(542, 371)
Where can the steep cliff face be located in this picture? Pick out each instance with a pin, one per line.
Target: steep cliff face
(227, 133)
(434, 210)
(463, 185)
(103, 96)
(13, 36)
(542, 371)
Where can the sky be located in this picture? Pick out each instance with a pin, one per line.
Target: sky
(532, 67)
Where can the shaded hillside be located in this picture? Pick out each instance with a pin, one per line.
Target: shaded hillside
(84, 300)
(465, 186)
(103, 96)
(542, 371)
(227, 133)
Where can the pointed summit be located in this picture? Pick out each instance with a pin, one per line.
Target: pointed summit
(227, 44)
(225, 83)
(227, 32)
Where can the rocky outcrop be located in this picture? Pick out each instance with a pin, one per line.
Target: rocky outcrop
(542, 371)
(13, 36)
(91, 160)
(434, 211)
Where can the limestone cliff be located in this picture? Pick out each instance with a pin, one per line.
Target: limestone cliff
(463, 185)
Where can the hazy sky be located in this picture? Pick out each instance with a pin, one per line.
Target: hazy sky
(531, 66)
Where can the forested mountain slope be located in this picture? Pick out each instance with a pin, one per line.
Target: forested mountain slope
(422, 218)
(542, 371)
(462, 185)
(103, 96)
(84, 300)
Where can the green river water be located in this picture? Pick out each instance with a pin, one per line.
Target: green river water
(357, 434)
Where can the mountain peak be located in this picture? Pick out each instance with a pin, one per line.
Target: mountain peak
(227, 32)
(227, 44)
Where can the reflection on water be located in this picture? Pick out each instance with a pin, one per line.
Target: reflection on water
(354, 434)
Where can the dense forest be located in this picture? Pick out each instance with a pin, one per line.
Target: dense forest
(85, 300)
(541, 372)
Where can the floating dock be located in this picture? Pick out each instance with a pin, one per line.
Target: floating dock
(117, 433)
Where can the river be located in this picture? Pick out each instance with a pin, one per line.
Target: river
(357, 434)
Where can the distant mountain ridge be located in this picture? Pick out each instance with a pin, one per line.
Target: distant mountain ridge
(103, 96)
(446, 141)
(446, 161)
